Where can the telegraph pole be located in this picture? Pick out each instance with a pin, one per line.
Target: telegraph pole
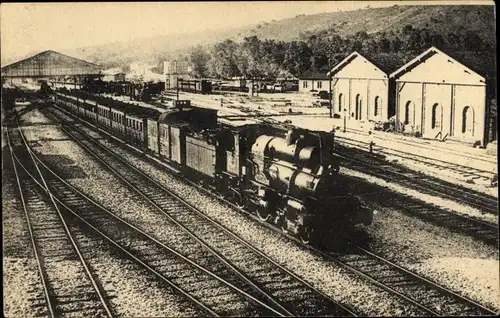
(176, 80)
(330, 86)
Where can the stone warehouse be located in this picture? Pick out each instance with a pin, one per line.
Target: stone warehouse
(437, 97)
(360, 88)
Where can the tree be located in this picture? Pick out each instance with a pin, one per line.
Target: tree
(396, 45)
(473, 41)
(223, 60)
(199, 59)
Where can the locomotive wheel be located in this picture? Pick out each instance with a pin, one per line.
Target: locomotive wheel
(305, 236)
(263, 216)
(284, 229)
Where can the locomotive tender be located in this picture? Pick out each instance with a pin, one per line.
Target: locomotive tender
(287, 177)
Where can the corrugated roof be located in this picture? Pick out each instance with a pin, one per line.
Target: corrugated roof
(50, 63)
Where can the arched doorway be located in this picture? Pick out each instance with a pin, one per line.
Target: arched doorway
(436, 116)
(358, 107)
(408, 112)
(340, 102)
(376, 106)
(468, 121)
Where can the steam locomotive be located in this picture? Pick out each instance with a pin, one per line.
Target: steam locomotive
(286, 176)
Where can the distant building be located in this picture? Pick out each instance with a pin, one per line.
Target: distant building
(175, 70)
(311, 81)
(440, 98)
(361, 88)
(120, 77)
(51, 66)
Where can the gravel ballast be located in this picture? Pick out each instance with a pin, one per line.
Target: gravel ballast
(23, 292)
(137, 294)
(131, 290)
(331, 279)
(440, 202)
(325, 276)
(425, 248)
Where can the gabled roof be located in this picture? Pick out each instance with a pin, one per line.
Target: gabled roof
(313, 76)
(50, 63)
(421, 58)
(340, 65)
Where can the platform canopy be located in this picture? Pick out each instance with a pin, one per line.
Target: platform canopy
(50, 63)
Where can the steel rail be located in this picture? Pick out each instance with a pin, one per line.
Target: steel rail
(435, 285)
(50, 305)
(379, 175)
(483, 157)
(241, 275)
(217, 224)
(250, 297)
(425, 160)
(330, 257)
(201, 305)
(68, 233)
(223, 228)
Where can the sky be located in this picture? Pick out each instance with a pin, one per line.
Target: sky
(34, 27)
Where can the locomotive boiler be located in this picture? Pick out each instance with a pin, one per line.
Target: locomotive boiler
(286, 176)
(294, 184)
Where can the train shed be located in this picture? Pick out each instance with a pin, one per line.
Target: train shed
(50, 66)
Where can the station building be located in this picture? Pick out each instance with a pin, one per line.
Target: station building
(313, 82)
(52, 67)
(360, 89)
(174, 71)
(437, 97)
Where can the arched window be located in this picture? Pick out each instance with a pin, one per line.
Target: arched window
(358, 107)
(468, 120)
(407, 112)
(376, 106)
(340, 102)
(436, 116)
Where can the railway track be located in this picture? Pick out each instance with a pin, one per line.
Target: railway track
(430, 297)
(425, 145)
(274, 283)
(213, 294)
(75, 291)
(386, 198)
(433, 299)
(416, 180)
(460, 169)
